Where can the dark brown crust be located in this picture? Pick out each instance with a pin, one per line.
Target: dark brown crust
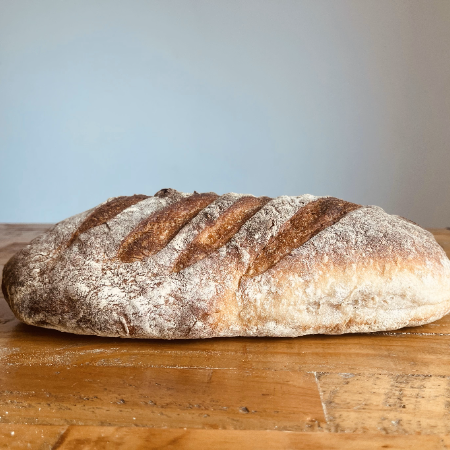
(217, 233)
(306, 223)
(170, 193)
(106, 212)
(4, 290)
(157, 230)
(9, 278)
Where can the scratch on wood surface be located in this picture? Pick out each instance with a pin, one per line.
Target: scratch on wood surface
(62, 437)
(324, 406)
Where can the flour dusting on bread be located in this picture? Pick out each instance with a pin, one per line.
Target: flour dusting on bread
(180, 265)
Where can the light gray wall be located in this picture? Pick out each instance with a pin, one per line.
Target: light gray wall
(338, 97)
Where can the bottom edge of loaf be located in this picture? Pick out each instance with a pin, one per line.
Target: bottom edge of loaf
(409, 317)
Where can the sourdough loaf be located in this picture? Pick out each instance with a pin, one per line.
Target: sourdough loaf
(179, 266)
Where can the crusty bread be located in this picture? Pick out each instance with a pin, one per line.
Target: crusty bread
(177, 265)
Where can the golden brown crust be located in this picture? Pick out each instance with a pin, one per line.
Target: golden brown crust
(306, 223)
(106, 212)
(156, 231)
(217, 233)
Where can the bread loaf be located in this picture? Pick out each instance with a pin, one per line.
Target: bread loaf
(180, 266)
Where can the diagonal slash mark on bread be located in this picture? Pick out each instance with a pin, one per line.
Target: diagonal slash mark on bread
(156, 231)
(300, 228)
(220, 231)
(106, 212)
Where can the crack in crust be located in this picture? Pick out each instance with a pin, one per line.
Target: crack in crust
(106, 212)
(217, 233)
(303, 225)
(157, 230)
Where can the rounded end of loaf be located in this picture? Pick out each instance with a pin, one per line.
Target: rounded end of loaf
(370, 272)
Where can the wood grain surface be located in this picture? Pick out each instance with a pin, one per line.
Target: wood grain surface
(362, 391)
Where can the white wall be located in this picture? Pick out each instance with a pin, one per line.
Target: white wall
(338, 97)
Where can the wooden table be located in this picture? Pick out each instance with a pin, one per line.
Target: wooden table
(382, 390)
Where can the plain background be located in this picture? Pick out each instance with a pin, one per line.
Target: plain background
(337, 97)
